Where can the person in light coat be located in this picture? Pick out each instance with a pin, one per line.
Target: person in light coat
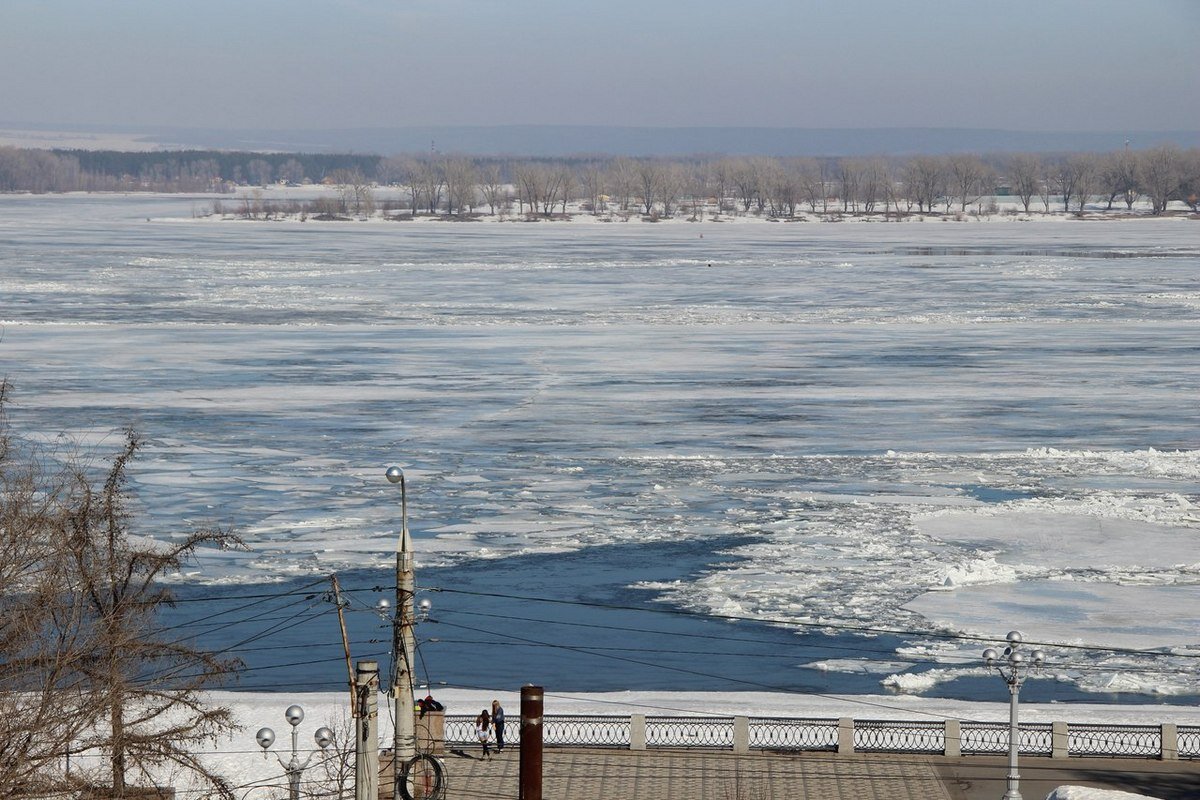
(483, 730)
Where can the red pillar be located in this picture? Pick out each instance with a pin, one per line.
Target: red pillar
(531, 743)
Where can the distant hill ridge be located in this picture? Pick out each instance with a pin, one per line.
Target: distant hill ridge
(565, 140)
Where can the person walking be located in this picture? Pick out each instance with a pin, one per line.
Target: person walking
(498, 724)
(483, 730)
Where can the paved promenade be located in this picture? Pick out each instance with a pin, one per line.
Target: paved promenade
(584, 774)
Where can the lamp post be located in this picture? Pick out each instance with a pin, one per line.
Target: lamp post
(1014, 669)
(404, 745)
(294, 769)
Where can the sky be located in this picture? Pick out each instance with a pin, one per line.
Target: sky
(1046, 65)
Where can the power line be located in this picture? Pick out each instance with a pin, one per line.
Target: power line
(173, 671)
(818, 626)
(726, 678)
(783, 690)
(941, 660)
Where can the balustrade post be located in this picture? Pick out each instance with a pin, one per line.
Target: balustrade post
(953, 738)
(1170, 742)
(741, 734)
(1059, 744)
(845, 736)
(637, 731)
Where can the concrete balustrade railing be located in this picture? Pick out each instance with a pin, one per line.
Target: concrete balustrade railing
(952, 737)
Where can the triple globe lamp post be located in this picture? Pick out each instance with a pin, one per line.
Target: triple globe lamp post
(293, 768)
(1014, 668)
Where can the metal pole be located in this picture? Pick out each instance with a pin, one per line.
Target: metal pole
(293, 772)
(293, 767)
(404, 746)
(366, 740)
(1014, 668)
(531, 743)
(1014, 738)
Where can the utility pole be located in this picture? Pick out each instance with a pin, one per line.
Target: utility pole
(404, 746)
(366, 740)
(341, 605)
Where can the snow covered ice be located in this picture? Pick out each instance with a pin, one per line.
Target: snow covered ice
(916, 426)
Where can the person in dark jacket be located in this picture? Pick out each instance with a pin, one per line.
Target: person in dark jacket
(498, 724)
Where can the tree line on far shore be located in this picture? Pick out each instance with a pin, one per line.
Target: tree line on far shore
(34, 170)
(458, 186)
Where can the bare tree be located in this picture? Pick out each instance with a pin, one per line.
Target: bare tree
(849, 173)
(45, 706)
(528, 178)
(872, 184)
(622, 182)
(335, 771)
(84, 664)
(492, 187)
(1024, 175)
(1189, 189)
(540, 186)
(564, 185)
(550, 184)
(812, 184)
(714, 175)
(783, 188)
(894, 190)
(354, 190)
(967, 177)
(649, 178)
(144, 678)
(1084, 167)
(37, 171)
(591, 181)
(260, 172)
(405, 172)
(394, 171)
(672, 180)
(925, 177)
(1063, 176)
(1118, 178)
(291, 172)
(697, 188)
(745, 176)
(429, 174)
(461, 184)
(1160, 175)
(415, 186)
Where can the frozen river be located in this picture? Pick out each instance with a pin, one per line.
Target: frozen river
(920, 427)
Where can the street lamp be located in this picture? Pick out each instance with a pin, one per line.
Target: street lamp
(1014, 669)
(294, 769)
(404, 745)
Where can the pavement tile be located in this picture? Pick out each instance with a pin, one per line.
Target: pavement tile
(610, 774)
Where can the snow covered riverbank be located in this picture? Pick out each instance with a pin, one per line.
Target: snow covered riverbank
(239, 758)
